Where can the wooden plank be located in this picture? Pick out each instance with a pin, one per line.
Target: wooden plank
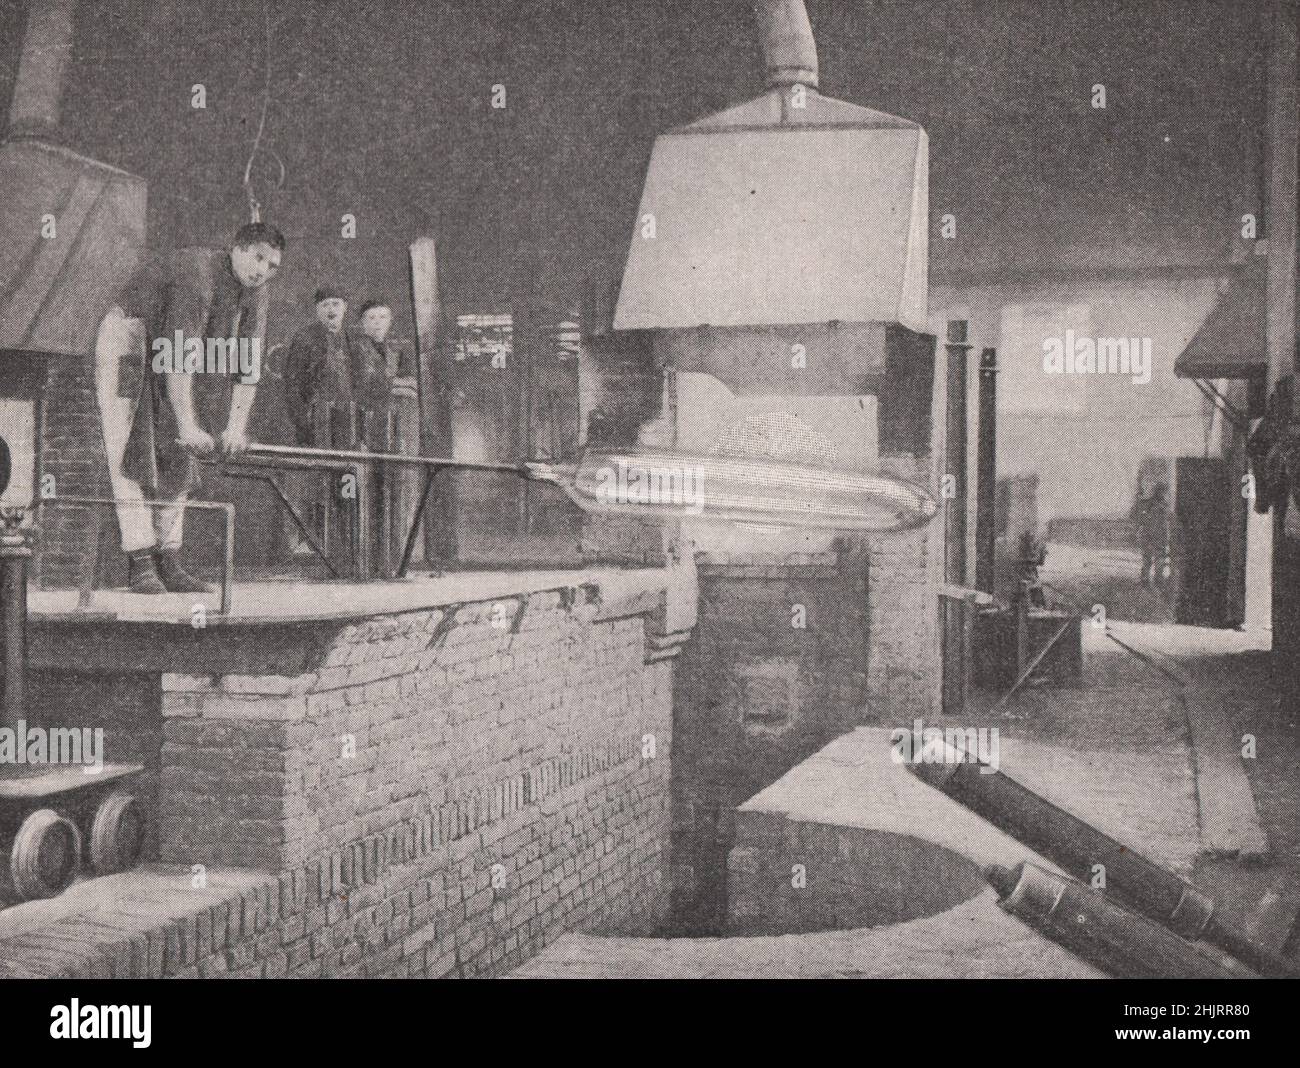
(439, 540)
(1229, 819)
(50, 781)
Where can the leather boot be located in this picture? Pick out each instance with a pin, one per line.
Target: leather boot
(141, 575)
(174, 577)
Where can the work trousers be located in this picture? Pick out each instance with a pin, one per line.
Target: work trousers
(143, 526)
(1155, 558)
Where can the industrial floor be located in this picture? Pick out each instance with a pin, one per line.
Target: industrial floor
(1147, 750)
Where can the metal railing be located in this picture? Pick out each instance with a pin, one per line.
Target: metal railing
(258, 458)
(89, 579)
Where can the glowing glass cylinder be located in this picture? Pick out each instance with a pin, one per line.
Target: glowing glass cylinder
(668, 486)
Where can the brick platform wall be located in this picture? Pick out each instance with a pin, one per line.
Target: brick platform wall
(432, 792)
(477, 777)
(904, 661)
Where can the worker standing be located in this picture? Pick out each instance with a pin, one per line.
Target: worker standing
(319, 396)
(383, 383)
(1154, 523)
(318, 376)
(159, 411)
(381, 374)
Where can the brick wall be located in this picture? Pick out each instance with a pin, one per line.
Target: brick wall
(72, 450)
(904, 667)
(432, 792)
(757, 693)
(492, 754)
(411, 921)
(776, 670)
(447, 711)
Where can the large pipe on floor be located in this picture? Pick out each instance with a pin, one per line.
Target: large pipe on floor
(1117, 941)
(789, 51)
(1079, 848)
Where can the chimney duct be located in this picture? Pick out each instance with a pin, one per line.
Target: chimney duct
(47, 47)
(789, 51)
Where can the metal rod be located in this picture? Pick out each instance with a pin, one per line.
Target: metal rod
(15, 551)
(416, 519)
(1038, 657)
(956, 640)
(228, 572)
(1233, 414)
(360, 533)
(90, 568)
(270, 480)
(202, 506)
(362, 456)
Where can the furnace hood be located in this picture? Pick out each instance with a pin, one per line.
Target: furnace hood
(773, 214)
(1231, 342)
(70, 227)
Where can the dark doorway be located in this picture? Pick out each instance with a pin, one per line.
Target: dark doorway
(1207, 504)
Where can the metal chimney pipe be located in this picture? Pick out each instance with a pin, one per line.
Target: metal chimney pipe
(789, 51)
(15, 552)
(986, 465)
(38, 91)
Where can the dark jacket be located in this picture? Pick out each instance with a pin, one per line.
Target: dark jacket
(372, 384)
(1153, 523)
(192, 290)
(318, 387)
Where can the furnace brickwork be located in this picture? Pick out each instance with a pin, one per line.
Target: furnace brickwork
(791, 651)
(431, 792)
(72, 451)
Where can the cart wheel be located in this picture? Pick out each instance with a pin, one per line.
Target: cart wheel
(116, 835)
(46, 855)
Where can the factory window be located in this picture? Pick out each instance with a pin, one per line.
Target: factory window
(489, 337)
(1027, 332)
(513, 380)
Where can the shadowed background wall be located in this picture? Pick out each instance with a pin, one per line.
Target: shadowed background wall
(383, 109)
